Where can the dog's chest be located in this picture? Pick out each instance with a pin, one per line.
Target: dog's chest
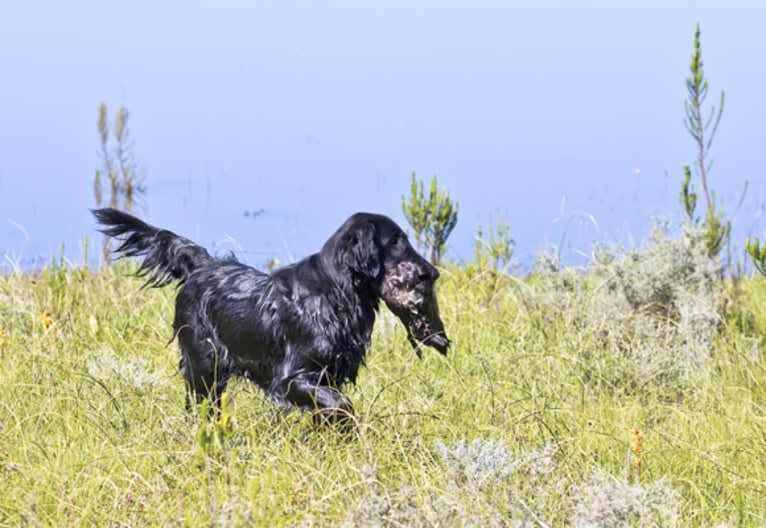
(342, 342)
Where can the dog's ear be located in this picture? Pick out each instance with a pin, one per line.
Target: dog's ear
(359, 250)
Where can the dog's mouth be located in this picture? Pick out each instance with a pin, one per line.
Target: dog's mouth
(418, 332)
(417, 308)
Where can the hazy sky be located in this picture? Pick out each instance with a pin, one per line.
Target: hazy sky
(539, 112)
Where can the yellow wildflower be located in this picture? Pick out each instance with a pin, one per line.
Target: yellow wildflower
(2, 337)
(46, 319)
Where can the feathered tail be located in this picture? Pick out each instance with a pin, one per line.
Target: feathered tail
(167, 256)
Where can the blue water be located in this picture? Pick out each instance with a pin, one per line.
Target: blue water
(562, 119)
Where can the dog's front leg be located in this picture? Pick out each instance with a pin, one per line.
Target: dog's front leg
(327, 402)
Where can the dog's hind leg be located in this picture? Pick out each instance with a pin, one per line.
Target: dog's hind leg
(206, 374)
(327, 402)
(205, 385)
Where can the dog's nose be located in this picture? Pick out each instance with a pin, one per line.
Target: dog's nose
(428, 272)
(440, 342)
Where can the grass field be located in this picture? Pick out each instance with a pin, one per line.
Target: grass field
(567, 399)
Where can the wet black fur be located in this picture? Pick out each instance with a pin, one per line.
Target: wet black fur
(299, 333)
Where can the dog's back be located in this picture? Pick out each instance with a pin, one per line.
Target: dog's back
(223, 325)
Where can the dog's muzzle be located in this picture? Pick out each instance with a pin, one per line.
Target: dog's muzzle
(410, 295)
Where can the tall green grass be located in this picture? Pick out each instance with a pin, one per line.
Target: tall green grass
(527, 422)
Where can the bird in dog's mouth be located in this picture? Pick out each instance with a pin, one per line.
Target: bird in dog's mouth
(408, 291)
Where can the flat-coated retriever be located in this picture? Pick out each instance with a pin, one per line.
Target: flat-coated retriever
(300, 332)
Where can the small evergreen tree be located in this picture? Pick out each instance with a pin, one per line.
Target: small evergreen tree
(496, 250)
(703, 130)
(416, 211)
(432, 219)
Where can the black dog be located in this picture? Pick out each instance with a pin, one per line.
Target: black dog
(299, 333)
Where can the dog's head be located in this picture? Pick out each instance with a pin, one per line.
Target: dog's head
(376, 252)
(408, 291)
